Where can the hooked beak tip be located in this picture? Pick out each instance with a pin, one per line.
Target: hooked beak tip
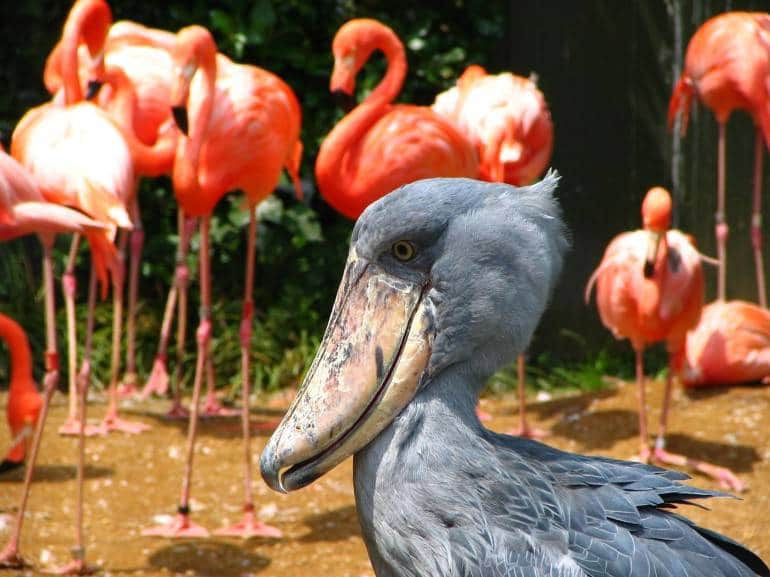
(180, 118)
(270, 471)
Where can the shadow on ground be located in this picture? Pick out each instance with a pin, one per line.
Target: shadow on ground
(597, 430)
(263, 423)
(207, 558)
(57, 473)
(739, 458)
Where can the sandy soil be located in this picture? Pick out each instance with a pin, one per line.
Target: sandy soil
(132, 480)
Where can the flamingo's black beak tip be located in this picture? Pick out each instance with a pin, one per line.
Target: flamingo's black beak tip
(93, 88)
(649, 269)
(180, 117)
(344, 100)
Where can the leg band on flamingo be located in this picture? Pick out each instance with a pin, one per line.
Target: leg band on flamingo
(722, 229)
(51, 361)
(756, 231)
(69, 284)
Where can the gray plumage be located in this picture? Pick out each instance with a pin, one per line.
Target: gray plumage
(438, 494)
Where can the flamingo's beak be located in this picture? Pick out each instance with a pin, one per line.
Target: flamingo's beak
(367, 369)
(180, 90)
(653, 242)
(93, 88)
(180, 118)
(344, 100)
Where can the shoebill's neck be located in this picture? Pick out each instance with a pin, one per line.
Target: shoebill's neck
(400, 475)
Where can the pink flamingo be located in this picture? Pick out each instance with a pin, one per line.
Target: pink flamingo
(507, 119)
(143, 55)
(379, 145)
(243, 129)
(29, 213)
(24, 411)
(726, 67)
(730, 345)
(24, 402)
(649, 288)
(80, 158)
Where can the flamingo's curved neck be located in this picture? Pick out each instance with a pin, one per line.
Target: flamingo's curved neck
(148, 160)
(188, 152)
(332, 167)
(88, 21)
(21, 359)
(390, 85)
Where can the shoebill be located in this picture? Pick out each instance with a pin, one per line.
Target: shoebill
(445, 283)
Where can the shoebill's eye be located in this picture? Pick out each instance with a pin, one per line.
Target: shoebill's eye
(403, 250)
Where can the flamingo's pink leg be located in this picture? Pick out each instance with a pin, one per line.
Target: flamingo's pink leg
(182, 526)
(9, 555)
(722, 230)
(249, 526)
(725, 477)
(112, 421)
(73, 427)
(756, 219)
(128, 386)
(524, 430)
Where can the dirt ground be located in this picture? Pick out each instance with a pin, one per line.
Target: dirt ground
(132, 481)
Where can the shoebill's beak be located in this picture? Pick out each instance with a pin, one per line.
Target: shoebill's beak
(367, 369)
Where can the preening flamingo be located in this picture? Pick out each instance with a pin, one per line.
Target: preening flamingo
(726, 67)
(380, 146)
(730, 345)
(649, 288)
(24, 402)
(244, 127)
(26, 413)
(507, 119)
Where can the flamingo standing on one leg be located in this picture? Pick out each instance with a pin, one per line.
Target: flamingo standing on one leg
(726, 67)
(730, 345)
(27, 212)
(507, 119)
(380, 146)
(244, 127)
(649, 288)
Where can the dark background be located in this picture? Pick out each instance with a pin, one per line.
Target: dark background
(606, 68)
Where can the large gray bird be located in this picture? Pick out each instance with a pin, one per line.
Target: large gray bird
(445, 282)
